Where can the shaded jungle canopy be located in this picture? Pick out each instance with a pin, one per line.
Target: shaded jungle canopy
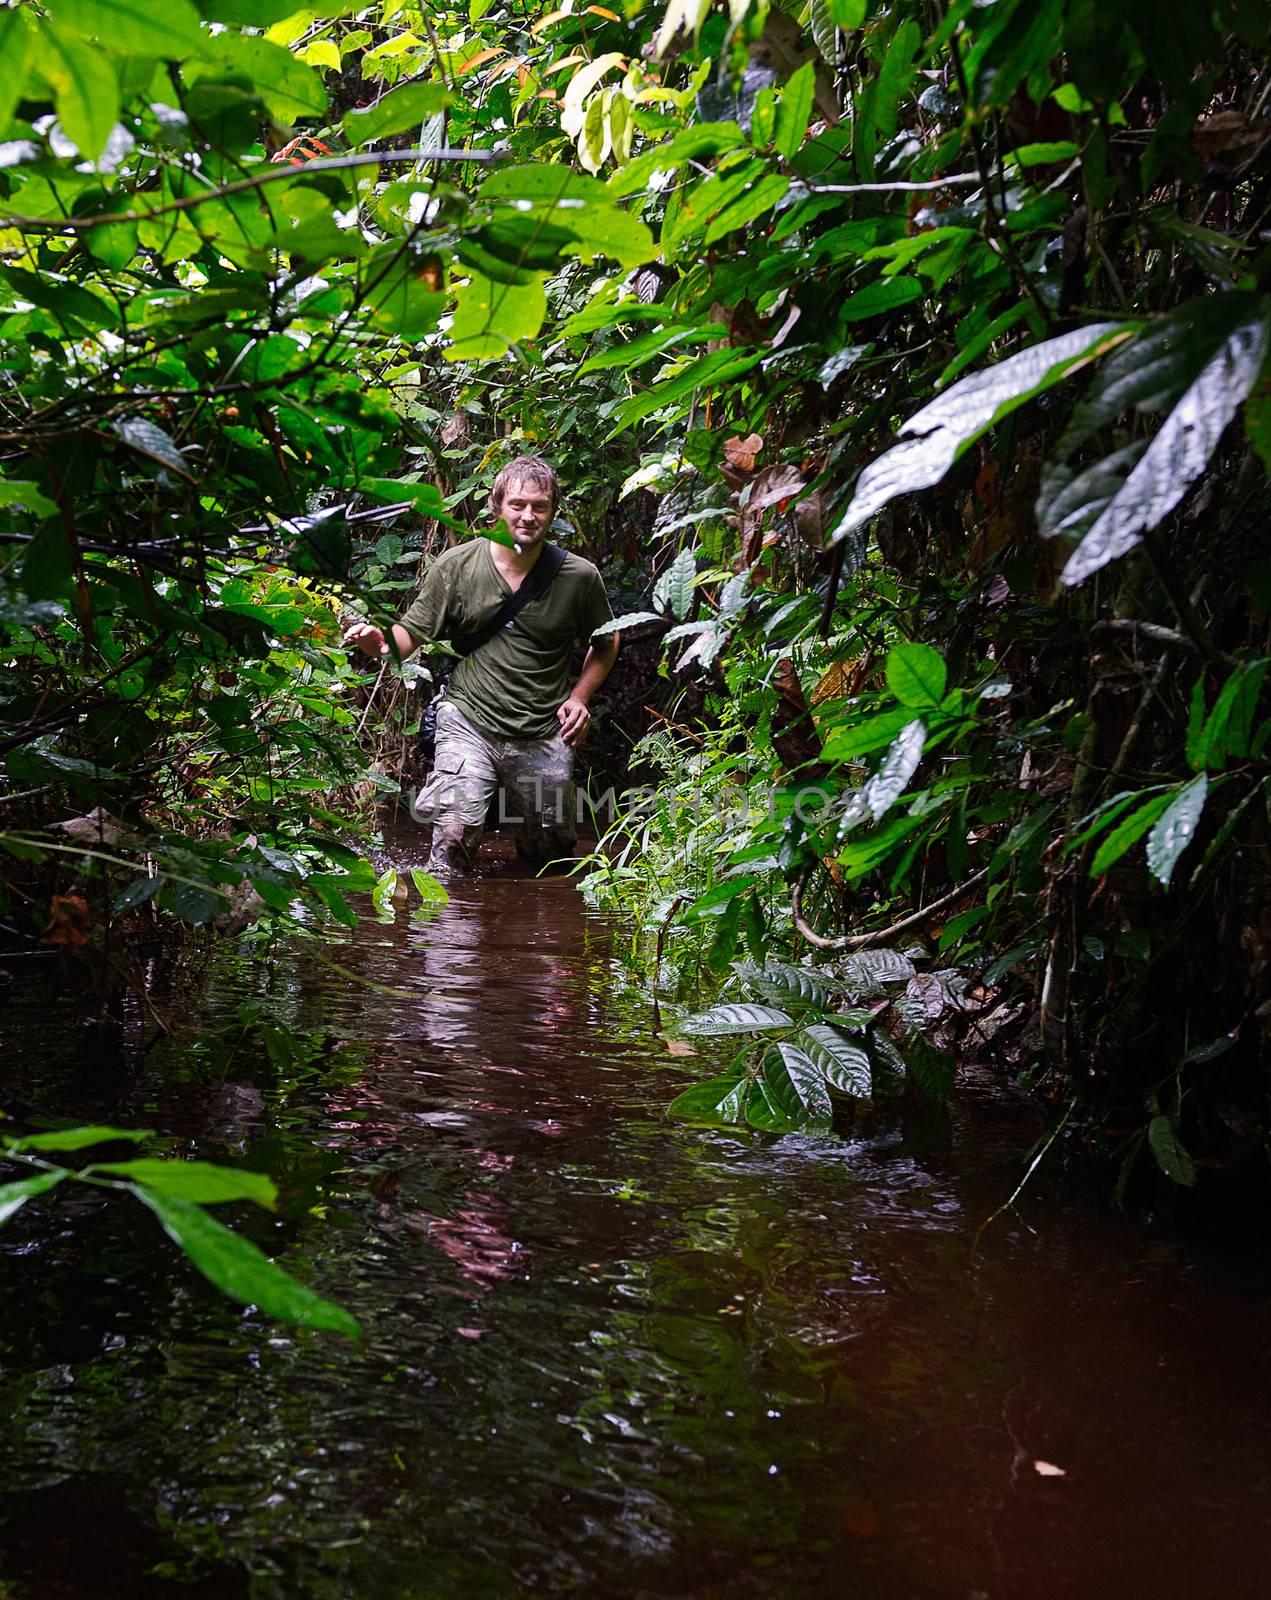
(907, 366)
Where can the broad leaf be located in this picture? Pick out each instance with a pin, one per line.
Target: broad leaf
(718, 1100)
(1179, 453)
(932, 1070)
(408, 106)
(887, 785)
(764, 1111)
(736, 1017)
(1175, 828)
(918, 676)
(430, 890)
(491, 316)
(201, 1181)
(13, 1196)
(945, 428)
(784, 983)
(845, 1066)
(237, 1268)
(1128, 833)
(81, 1138)
(675, 587)
(1171, 1156)
(168, 29)
(796, 1084)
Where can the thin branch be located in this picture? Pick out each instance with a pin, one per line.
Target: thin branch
(862, 941)
(958, 178)
(275, 175)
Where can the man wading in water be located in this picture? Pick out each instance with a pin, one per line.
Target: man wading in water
(509, 718)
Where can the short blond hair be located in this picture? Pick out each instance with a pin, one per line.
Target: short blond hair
(530, 469)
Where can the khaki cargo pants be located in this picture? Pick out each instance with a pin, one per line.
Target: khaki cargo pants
(533, 782)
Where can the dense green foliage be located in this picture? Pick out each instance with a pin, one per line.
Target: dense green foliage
(923, 352)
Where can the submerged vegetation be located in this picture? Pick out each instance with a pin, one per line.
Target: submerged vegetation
(907, 366)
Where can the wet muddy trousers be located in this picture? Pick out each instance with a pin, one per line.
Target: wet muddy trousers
(531, 785)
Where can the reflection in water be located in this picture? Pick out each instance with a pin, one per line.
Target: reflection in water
(606, 1355)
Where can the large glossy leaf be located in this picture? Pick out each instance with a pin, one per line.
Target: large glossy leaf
(932, 1070)
(736, 1016)
(201, 1181)
(1171, 1156)
(675, 587)
(240, 1270)
(86, 84)
(493, 316)
(1128, 833)
(887, 785)
(796, 1084)
(718, 1100)
(406, 107)
(943, 429)
(1180, 451)
(845, 1065)
(764, 1112)
(1175, 828)
(168, 29)
(786, 984)
(1151, 371)
(287, 86)
(149, 440)
(581, 205)
(1071, 502)
(13, 1196)
(869, 971)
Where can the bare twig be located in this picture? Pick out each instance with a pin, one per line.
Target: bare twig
(862, 941)
(273, 175)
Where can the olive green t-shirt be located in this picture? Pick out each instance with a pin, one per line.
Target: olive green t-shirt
(512, 687)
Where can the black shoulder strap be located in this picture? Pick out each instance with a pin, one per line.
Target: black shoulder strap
(538, 582)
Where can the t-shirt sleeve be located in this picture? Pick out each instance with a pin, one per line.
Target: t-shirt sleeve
(594, 609)
(425, 617)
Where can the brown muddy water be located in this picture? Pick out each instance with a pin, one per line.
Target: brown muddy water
(607, 1354)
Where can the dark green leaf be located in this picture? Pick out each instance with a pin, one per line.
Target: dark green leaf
(238, 1269)
(736, 1017)
(148, 440)
(845, 1066)
(1171, 1157)
(1128, 833)
(718, 1100)
(932, 1070)
(796, 1084)
(1179, 453)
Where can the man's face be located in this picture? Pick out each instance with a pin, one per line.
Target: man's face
(527, 510)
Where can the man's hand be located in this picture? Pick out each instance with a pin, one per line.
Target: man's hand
(574, 719)
(368, 639)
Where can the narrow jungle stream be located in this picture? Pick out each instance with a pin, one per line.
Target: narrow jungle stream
(606, 1354)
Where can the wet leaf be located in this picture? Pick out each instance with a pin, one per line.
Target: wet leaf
(943, 429)
(764, 1113)
(238, 1269)
(1128, 833)
(1175, 828)
(736, 1017)
(845, 1065)
(1171, 1157)
(783, 983)
(430, 890)
(1180, 451)
(718, 1100)
(796, 1084)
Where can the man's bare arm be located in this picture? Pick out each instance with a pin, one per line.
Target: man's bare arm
(372, 642)
(574, 716)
